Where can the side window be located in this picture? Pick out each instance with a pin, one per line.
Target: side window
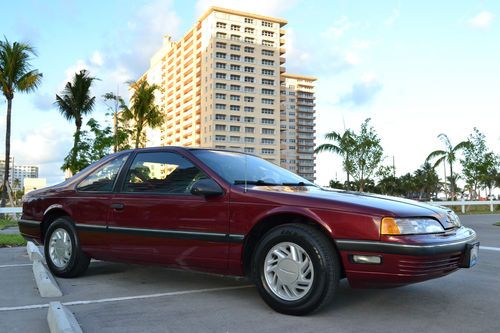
(161, 172)
(102, 179)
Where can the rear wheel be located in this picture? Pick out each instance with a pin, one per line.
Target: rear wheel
(296, 269)
(62, 249)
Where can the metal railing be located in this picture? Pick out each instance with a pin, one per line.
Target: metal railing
(491, 203)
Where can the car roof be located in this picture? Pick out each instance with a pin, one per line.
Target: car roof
(186, 149)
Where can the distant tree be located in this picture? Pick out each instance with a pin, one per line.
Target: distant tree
(121, 132)
(388, 183)
(16, 75)
(336, 184)
(426, 181)
(75, 102)
(479, 164)
(408, 185)
(342, 145)
(143, 111)
(365, 156)
(449, 154)
(101, 142)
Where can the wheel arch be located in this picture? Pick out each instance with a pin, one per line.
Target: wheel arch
(50, 215)
(279, 217)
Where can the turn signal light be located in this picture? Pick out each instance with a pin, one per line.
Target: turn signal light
(389, 227)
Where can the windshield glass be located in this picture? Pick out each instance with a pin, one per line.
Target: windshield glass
(237, 167)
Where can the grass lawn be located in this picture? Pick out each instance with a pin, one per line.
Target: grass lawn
(497, 224)
(7, 240)
(6, 223)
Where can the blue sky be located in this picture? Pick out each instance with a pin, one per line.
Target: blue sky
(417, 68)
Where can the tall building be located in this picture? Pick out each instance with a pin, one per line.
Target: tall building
(221, 86)
(18, 173)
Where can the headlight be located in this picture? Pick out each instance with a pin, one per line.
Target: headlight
(454, 219)
(407, 226)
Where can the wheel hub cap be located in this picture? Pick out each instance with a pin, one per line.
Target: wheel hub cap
(60, 248)
(288, 270)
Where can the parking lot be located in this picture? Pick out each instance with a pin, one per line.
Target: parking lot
(127, 298)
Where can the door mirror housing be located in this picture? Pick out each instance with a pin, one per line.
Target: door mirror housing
(206, 188)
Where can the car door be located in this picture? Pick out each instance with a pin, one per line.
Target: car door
(155, 218)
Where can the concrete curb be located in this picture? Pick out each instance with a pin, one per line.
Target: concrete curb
(61, 320)
(47, 285)
(34, 253)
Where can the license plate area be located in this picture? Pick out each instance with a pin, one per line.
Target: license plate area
(471, 255)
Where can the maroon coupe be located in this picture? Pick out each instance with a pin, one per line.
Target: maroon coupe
(234, 213)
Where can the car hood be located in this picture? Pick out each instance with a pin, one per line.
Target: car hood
(361, 202)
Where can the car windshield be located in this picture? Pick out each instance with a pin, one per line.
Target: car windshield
(238, 169)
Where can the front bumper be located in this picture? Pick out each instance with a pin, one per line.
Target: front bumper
(406, 259)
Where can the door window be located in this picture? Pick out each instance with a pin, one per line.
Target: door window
(103, 179)
(161, 172)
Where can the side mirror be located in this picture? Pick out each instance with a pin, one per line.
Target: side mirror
(206, 188)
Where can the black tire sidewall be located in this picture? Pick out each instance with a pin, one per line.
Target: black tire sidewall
(320, 260)
(66, 224)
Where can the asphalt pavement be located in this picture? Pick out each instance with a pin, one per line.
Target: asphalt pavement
(113, 297)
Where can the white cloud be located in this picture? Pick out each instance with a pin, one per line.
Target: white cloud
(338, 29)
(43, 102)
(97, 59)
(393, 17)
(265, 7)
(363, 91)
(482, 20)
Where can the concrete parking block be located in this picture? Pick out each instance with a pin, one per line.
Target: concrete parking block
(61, 320)
(34, 253)
(46, 283)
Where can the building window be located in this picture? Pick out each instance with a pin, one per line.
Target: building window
(234, 118)
(220, 96)
(267, 52)
(220, 65)
(249, 129)
(220, 106)
(267, 24)
(234, 128)
(235, 57)
(234, 138)
(220, 45)
(235, 27)
(248, 20)
(267, 151)
(249, 108)
(268, 131)
(267, 91)
(267, 101)
(235, 87)
(235, 67)
(249, 119)
(249, 79)
(269, 121)
(235, 37)
(249, 99)
(249, 69)
(267, 42)
(249, 89)
(267, 82)
(235, 97)
(249, 40)
(249, 149)
(234, 108)
(267, 141)
(220, 116)
(267, 33)
(267, 111)
(220, 55)
(221, 25)
(220, 138)
(220, 75)
(249, 59)
(235, 77)
(220, 147)
(249, 139)
(267, 72)
(249, 30)
(267, 62)
(220, 85)
(249, 49)
(235, 47)
(219, 127)
(291, 93)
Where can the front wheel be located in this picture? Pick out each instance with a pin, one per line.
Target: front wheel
(296, 269)
(62, 249)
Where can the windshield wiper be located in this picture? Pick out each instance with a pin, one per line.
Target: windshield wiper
(254, 182)
(298, 184)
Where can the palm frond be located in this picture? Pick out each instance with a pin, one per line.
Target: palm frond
(435, 154)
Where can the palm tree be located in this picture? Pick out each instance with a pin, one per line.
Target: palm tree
(74, 103)
(343, 145)
(16, 75)
(447, 155)
(143, 110)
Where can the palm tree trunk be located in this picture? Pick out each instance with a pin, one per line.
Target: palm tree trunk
(138, 134)
(452, 185)
(76, 142)
(7, 153)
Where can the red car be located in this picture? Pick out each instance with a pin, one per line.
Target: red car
(237, 214)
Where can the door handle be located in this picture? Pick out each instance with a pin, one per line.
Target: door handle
(117, 206)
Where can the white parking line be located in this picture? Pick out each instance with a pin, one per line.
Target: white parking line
(125, 298)
(490, 248)
(14, 265)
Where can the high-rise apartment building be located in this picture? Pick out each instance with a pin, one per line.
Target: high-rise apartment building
(221, 86)
(18, 173)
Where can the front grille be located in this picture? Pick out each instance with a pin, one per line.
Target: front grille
(429, 267)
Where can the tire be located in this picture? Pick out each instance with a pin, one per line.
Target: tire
(300, 284)
(63, 253)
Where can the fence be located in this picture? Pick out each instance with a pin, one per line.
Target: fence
(490, 203)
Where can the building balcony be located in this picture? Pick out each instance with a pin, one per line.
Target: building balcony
(282, 32)
(282, 60)
(305, 129)
(302, 115)
(282, 69)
